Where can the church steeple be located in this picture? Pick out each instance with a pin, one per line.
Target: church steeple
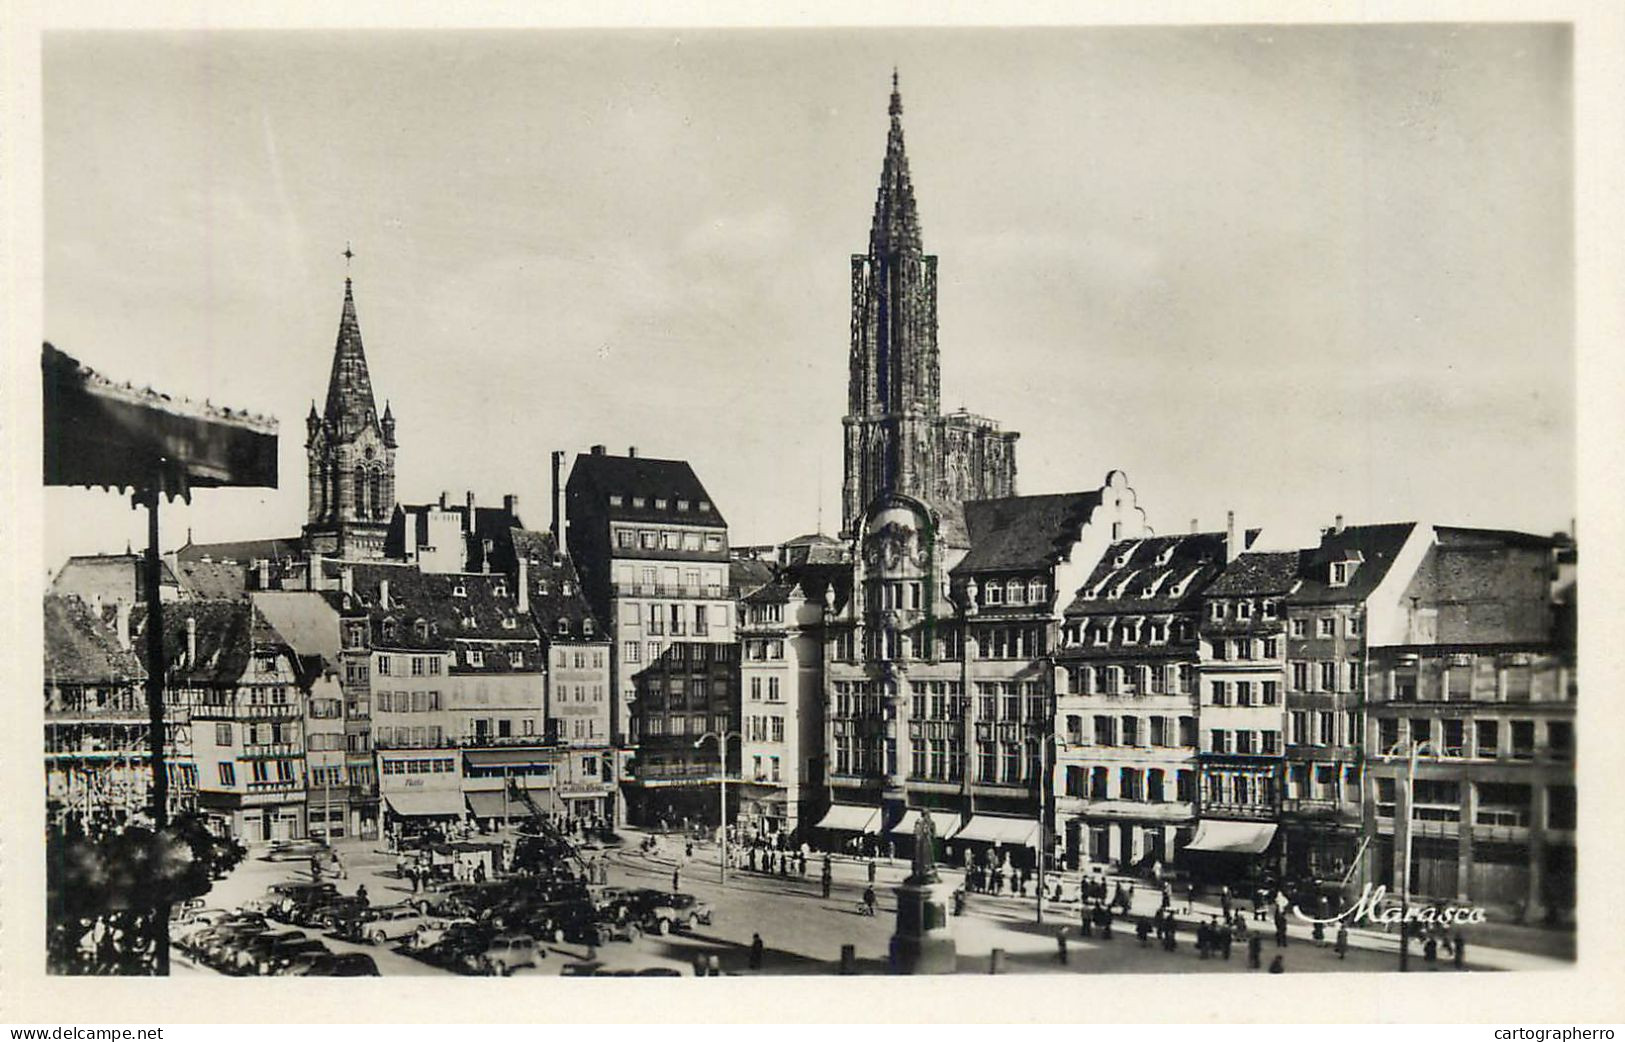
(350, 402)
(351, 452)
(896, 225)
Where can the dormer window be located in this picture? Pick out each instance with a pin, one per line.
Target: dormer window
(510, 623)
(500, 590)
(516, 659)
(1166, 555)
(421, 629)
(1244, 609)
(459, 590)
(617, 501)
(682, 506)
(587, 627)
(1036, 591)
(1342, 571)
(389, 630)
(1217, 611)
(563, 627)
(705, 506)
(566, 588)
(661, 504)
(639, 502)
(994, 594)
(1014, 594)
(1122, 558)
(476, 657)
(1270, 609)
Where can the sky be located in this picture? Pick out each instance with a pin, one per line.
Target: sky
(1292, 272)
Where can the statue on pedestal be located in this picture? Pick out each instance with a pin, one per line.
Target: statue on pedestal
(925, 850)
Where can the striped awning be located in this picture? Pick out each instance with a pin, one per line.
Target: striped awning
(442, 804)
(1233, 837)
(993, 828)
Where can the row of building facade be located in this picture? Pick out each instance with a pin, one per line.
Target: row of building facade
(1037, 672)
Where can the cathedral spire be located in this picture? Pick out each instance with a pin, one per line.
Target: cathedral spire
(350, 403)
(896, 226)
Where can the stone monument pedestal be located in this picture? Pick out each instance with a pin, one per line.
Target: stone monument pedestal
(923, 941)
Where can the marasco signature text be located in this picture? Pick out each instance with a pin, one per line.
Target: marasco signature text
(1373, 907)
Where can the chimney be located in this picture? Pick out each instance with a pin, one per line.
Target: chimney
(311, 565)
(470, 524)
(510, 505)
(1337, 523)
(1232, 548)
(191, 640)
(383, 593)
(558, 498)
(443, 500)
(524, 584)
(1193, 526)
(631, 452)
(96, 606)
(263, 568)
(122, 623)
(346, 581)
(597, 450)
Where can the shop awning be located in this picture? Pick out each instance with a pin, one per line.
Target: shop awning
(443, 804)
(1232, 837)
(851, 818)
(991, 828)
(490, 805)
(946, 822)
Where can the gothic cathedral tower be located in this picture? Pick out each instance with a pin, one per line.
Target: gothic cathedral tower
(893, 388)
(896, 438)
(351, 452)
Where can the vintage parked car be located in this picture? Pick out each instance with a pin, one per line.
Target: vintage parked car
(659, 912)
(254, 955)
(348, 964)
(508, 952)
(392, 923)
(433, 930)
(460, 943)
(324, 910)
(279, 899)
(203, 944)
(287, 959)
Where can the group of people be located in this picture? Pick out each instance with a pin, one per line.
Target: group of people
(770, 861)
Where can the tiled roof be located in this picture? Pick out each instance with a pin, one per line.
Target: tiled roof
(1159, 565)
(226, 635)
(746, 576)
(83, 650)
(350, 402)
(212, 580)
(640, 477)
(244, 551)
(475, 614)
(1024, 532)
(1374, 546)
(549, 573)
(305, 620)
(1257, 573)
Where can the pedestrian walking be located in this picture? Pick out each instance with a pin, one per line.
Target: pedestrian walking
(1142, 930)
(1203, 934)
(677, 879)
(1278, 965)
(1255, 951)
(801, 861)
(1167, 896)
(1225, 941)
(1280, 931)
(1430, 953)
(1103, 919)
(871, 870)
(826, 881)
(1086, 921)
(1342, 943)
(1458, 952)
(784, 866)
(869, 900)
(688, 849)
(1224, 902)
(755, 951)
(1060, 944)
(361, 895)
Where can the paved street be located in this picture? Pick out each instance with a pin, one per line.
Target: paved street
(802, 932)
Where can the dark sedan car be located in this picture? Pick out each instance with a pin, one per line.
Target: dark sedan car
(350, 964)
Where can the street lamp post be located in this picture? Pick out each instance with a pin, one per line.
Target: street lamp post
(722, 797)
(1412, 749)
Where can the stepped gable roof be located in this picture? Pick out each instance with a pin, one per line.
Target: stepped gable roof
(1256, 573)
(212, 580)
(227, 633)
(305, 621)
(1019, 533)
(80, 649)
(477, 612)
(1374, 546)
(647, 479)
(549, 572)
(1154, 574)
(243, 551)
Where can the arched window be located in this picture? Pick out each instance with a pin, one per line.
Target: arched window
(322, 478)
(360, 492)
(375, 492)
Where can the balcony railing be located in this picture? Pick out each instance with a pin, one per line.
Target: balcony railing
(704, 592)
